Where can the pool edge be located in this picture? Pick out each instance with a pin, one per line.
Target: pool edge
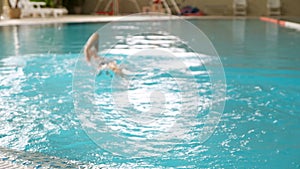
(103, 19)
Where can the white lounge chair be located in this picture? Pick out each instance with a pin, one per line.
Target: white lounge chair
(274, 7)
(240, 7)
(59, 11)
(34, 8)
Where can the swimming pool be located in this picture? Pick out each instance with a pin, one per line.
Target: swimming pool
(259, 127)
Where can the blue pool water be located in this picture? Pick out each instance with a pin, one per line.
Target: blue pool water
(259, 127)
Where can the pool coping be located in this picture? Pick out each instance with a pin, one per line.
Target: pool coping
(20, 159)
(103, 19)
(8, 165)
(284, 21)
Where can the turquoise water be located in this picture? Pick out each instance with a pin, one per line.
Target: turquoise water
(259, 127)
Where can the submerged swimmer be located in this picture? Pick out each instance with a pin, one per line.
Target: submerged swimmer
(91, 56)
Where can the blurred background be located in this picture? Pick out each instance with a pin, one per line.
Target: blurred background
(207, 7)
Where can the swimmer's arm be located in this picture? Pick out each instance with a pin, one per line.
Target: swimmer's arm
(91, 50)
(93, 41)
